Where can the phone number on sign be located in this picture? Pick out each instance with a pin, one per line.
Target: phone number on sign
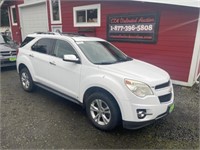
(131, 28)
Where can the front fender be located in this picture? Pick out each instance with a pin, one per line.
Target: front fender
(115, 86)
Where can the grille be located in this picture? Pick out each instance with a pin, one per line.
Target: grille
(8, 53)
(162, 85)
(165, 98)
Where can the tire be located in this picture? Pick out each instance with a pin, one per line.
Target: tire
(103, 111)
(26, 80)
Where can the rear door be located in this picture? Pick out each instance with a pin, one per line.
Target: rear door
(40, 60)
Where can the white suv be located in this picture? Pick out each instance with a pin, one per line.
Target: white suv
(112, 87)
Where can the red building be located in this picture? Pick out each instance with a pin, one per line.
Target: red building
(166, 35)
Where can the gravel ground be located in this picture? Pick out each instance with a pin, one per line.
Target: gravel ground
(42, 120)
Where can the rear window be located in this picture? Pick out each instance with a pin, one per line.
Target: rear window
(26, 41)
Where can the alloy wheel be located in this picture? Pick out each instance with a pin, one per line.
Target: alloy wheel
(100, 112)
(25, 80)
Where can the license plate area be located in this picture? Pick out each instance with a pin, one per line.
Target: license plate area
(171, 108)
(12, 59)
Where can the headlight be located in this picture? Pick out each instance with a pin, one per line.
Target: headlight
(138, 88)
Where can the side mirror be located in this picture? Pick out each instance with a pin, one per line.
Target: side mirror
(71, 58)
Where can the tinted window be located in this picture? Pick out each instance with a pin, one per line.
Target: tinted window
(43, 46)
(62, 48)
(26, 41)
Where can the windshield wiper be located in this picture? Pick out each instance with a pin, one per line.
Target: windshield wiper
(105, 63)
(125, 59)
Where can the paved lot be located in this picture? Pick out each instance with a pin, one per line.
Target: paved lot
(43, 120)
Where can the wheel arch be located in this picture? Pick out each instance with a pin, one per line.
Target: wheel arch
(94, 89)
(21, 66)
(26, 78)
(28, 66)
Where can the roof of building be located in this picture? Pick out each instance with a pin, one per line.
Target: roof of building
(188, 3)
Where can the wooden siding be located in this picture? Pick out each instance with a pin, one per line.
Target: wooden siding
(177, 30)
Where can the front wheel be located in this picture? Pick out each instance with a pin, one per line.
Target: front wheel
(103, 111)
(26, 80)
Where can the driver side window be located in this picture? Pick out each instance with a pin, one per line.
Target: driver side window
(63, 48)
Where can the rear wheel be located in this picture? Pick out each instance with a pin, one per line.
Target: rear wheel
(26, 80)
(103, 111)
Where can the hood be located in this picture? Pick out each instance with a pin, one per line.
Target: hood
(6, 47)
(139, 71)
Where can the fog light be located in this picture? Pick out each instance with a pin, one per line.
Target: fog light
(141, 113)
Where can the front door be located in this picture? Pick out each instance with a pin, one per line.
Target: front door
(64, 75)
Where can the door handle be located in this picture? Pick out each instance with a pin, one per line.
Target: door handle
(31, 55)
(53, 63)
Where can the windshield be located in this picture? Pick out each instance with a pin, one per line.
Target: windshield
(5, 39)
(2, 41)
(100, 52)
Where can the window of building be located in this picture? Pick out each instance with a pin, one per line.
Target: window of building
(55, 11)
(13, 15)
(87, 16)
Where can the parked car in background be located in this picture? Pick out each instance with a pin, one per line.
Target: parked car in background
(8, 50)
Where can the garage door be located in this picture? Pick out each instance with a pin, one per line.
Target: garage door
(33, 19)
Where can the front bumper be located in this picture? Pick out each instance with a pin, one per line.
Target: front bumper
(138, 125)
(5, 62)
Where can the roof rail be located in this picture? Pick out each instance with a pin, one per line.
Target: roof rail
(62, 33)
(72, 34)
(50, 33)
